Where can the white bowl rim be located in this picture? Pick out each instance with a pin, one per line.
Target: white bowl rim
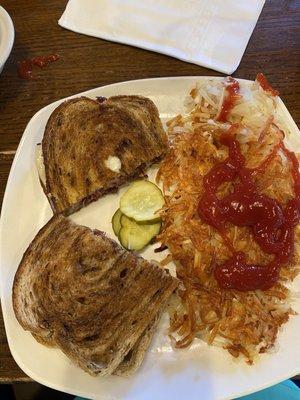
(7, 35)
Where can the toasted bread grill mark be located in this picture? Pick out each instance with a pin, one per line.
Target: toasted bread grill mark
(145, 111)
(80, 136)
(82, 292)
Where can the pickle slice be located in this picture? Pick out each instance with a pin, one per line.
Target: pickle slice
(135, 236)
(142, 201)
(116, 222)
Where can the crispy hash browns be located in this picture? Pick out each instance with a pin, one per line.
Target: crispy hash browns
(244, 323)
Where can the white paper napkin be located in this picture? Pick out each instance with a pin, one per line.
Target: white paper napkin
(211, 33)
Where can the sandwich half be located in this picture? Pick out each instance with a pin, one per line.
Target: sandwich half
(92, 147)
(80, 291)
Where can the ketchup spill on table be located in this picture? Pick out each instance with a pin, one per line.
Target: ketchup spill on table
(25, 67)
(272, 224)
(262, 80)
(232, 89)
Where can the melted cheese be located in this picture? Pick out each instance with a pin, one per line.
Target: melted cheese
(113, 163)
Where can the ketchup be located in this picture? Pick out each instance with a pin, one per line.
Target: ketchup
(272, 224)
(232, 89)
(25, 67)
(262, 80)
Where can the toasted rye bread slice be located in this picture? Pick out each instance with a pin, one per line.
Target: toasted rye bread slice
(79, 290)
(83, 134)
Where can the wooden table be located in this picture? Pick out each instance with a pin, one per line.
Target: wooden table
(87, 62)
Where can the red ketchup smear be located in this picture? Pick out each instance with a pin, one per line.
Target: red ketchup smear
(25, 67)
(262, 80)
(232, 89)
(272, 224)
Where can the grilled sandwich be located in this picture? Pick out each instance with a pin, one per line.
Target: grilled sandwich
(92, 147)
(80, 291)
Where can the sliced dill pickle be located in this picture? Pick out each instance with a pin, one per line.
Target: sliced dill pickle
(135, 236)
(116, 222)
(142, 201)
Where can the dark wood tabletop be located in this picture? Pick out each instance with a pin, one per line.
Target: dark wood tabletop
(87, 62)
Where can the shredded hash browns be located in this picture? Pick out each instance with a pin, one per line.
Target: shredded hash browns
(244, 323)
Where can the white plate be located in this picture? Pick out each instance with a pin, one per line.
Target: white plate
(7, 35)
(201, 372)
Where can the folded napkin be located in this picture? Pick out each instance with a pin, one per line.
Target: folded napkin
(211, 33)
